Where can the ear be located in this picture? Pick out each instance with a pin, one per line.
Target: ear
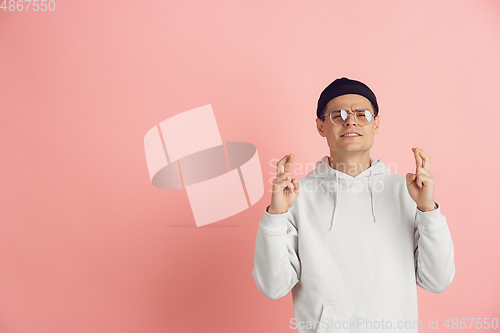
(320, 124)
(377, 124)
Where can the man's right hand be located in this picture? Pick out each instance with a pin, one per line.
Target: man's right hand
(285, 189)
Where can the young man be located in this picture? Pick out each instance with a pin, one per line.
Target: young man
(359, 239)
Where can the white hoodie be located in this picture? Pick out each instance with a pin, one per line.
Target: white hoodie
(353, 250)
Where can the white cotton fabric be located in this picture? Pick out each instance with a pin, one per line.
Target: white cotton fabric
(351, 248)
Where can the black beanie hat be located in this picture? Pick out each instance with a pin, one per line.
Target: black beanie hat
(345, 86)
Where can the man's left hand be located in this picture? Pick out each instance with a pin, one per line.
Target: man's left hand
(421, 184)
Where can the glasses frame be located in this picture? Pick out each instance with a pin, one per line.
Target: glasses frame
(355, 112)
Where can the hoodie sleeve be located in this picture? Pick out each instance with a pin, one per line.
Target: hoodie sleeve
(433, 254)
(276, 262)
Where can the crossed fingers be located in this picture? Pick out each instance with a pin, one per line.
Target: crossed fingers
(285, 164)
(423, 163)
(422, 159)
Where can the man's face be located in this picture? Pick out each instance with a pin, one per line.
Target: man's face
(346, 145)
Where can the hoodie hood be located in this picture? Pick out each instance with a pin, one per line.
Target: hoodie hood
(323, 170)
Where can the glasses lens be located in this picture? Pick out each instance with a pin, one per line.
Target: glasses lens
(364, 117)
(337, 117)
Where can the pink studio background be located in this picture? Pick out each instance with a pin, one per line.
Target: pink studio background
(87, 244)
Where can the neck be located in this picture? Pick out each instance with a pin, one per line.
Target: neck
(351, 164)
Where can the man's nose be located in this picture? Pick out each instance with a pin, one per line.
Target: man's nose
(350, 120)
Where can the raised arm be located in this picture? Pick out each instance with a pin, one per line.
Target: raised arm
(276, 260)
(433, 247)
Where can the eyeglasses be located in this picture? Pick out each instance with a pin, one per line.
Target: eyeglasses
(339, 116)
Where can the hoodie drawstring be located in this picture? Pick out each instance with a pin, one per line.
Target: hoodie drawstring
(372, 196)
(336, 201)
